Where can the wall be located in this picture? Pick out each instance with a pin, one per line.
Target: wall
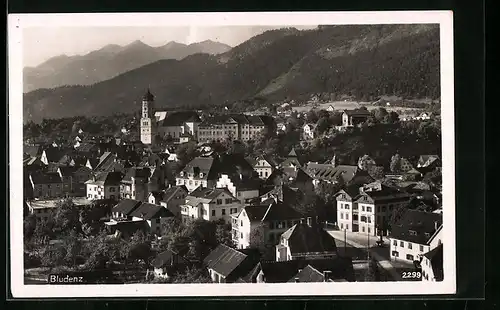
(191, 183)
(404, 250)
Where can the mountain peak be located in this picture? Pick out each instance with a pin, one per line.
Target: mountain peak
(137, 43)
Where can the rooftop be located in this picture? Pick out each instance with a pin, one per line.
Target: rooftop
(53, 203)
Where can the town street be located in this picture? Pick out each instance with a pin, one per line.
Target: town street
(362, 242)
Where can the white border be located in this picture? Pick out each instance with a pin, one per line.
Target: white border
(16, 22)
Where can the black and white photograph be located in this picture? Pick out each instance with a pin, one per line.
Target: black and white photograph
(231, 154)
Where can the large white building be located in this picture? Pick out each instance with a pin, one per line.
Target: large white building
(210, 204)
(105, 185)
(365, 209)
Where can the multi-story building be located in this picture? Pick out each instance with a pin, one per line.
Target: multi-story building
(337, 174)
(262, 224)
(155, 216)
(366, 210)
(46, 184)
(264, 165)
(234, 127)
(177, 125)
(210, 204)
(202, 171)
(432, 264)
(105, 185)
(240, 187)
(415, 234)
(134, 184)
(302, 241)
(309, 132)
(172, 198)
(74, 179)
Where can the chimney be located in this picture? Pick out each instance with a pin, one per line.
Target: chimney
(327, 275)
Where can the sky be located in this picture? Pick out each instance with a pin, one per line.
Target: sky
(42, 43)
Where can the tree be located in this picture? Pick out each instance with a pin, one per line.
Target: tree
(256, 236)
(29, 227)
(90, 217)
(223, 233)
(73, 246)
(397, 214)
(380, 114)
(53, 255)
(322, 125)
(192, 275)
(311, 117)
(67, 217)
(395, 165)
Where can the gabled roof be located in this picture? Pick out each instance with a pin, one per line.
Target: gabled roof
(137, 172)
(228, 262)
(53, 154)
(206, 165)
(436, 257)
(106, 178)
(178, 118)
(67, 171)
(303, 238)
(170, 193)
(147, 211)
(342, 173)
(126, 206)
(358, 112)
(417, 226)
(208, 194)
(45, 178)
(427, 160)
(280, 272)
(339, 268)
(168, 258)
(272, 210)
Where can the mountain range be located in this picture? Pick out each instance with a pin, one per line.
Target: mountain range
(362, 61)
(108, 62)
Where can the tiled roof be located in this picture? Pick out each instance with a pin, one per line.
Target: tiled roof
(126, 206)
(342, 173)
(106, 178)
(169, 193)
(46, 178)
(340, 268)
(168, 258)
(358, 112)
(303, 238)
(228, 262)
(256, 213)
(416, 226)
(282, 271)
(67, 171)
(178, 118)
(206, 165)
(147, 211)
(53, 154)
(137, 172)
(209, 194)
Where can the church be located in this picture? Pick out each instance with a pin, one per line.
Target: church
(166, 124)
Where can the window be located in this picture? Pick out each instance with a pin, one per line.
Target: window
(409, 245)
(369, 219)
(341, 216)
(112, 196)
(341, 206)
(395, 253)
(219, 201)
(363, 228)
(395, 243)
(346, 226)
(223, 211)
(346, 206)
(383, 208)
(341, 226)
(241, 223)
(409, 257)
(228, 200)
(112, 189)
(369, 230)
(241, 235)
(347, 216)
(368, 209)
(401, 244)
(362, 208)
(213, 212)
(421, 248)
(412, 232)
(378, 209)
(157, 221)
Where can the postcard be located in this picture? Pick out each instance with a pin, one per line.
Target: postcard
(231, 154)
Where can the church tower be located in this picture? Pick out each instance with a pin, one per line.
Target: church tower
(148, 120)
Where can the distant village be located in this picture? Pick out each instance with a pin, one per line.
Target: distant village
(371, 224)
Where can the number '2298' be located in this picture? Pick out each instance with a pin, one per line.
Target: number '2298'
(411, 275)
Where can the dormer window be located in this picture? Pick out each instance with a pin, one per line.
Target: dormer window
(412, 233)
(201, 174)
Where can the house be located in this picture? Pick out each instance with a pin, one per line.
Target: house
(309, 131)
(337, 269)
(175, 124)
(302, 241)
(337, 174)
(210, 204)
(432, 264)
(367, 209)
(429, 161)
(201, 171)
(74, 179)
(293, 159)
(43, 209)
(415, 234)
(264, 165)
(263, 223)
(330, 108)
(354, 117)
(134, 184)
(123, 209)
(46, 184)
(168, 263)
(172, 198)
(243, 188)
(104, 185)
(156, 216)
(226, 265)
(234, 127)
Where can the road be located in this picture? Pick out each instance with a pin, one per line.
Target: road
(361, 243)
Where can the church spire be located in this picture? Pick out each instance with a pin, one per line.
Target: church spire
(148, 96)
